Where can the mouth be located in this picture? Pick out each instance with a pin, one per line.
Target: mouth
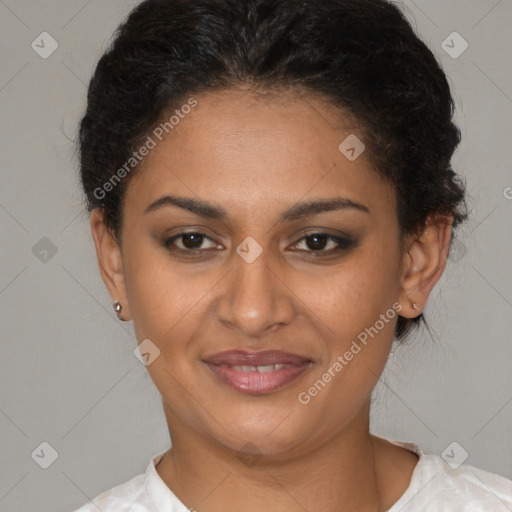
(257, 372)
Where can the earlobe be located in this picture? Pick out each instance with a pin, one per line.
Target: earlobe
(424, 262)
(110, 262)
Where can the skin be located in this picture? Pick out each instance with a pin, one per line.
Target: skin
(256, 157)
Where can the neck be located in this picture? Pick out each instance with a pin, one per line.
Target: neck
(338, 475)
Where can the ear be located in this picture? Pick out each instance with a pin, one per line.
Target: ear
(423, 263)
(110, 261)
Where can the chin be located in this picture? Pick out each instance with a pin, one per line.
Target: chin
(270, 434)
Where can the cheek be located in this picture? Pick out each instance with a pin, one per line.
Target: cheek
(357, 306)
(153, 291)
(166, 300)
(350, 297)
(367, 317)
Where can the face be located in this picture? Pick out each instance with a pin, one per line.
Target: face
(255, 255)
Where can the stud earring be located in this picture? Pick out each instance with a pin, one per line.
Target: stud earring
(118, 308)
(415, 306)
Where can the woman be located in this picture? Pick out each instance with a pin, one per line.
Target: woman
(272, 202)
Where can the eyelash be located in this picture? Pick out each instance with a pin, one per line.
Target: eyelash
(342, 243)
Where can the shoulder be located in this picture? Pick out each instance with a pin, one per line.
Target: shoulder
(146, 492)
(128, 496)
(438, 486)
(470, 488)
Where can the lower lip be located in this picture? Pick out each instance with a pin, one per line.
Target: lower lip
(254, 382)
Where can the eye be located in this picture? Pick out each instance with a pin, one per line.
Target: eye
(323, 243)
(190, 242)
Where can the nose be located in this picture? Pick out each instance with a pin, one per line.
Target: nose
(256, 299)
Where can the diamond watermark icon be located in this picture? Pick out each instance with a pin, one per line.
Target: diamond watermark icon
(45, 455)
(457, 251)
(44, 250)
(249, 250)
(454, 45)
(146, 352)
(249, 454)
(454, 454)
(44, 45)
(352, 147)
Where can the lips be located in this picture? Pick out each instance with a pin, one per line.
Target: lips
(257, 372)
(263, 358)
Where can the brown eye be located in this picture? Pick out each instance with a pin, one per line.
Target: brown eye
(189, 242)
(316, 242)
(323, 243)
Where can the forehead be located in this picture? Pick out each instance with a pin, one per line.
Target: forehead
(274, 147)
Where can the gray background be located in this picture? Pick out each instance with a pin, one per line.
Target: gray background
(67, 369)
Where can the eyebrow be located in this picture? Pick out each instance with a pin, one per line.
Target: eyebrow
(296, 212)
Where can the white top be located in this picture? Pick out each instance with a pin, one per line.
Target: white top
(435, 487)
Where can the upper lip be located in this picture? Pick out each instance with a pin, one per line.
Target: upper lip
(262, 358)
